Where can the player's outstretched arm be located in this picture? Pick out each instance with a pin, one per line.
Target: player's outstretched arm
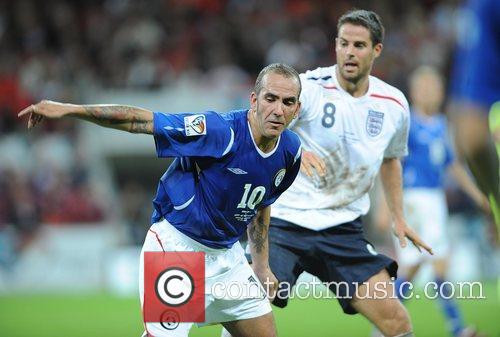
(390, 175)
(121, 117)
(258, 240)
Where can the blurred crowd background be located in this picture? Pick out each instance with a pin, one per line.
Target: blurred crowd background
(141, 53)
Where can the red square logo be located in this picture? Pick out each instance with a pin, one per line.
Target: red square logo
(174, 287)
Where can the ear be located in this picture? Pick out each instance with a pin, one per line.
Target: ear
(378, 49)
(253, 100)
(297, 111)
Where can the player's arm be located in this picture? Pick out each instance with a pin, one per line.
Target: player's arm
(259, 249)
(464, 180)
(121, 117)
(390, 175)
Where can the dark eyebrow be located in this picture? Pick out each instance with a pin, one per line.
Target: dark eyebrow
(271, 95)
(291, 99)
(358, 42)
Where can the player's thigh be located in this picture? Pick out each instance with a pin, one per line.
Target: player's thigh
(152, 243)
(235, 295)
(376, 300)
(262, 326)
(288, 245)
(344, 258)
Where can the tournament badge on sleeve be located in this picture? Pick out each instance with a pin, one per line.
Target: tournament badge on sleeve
(174, 287)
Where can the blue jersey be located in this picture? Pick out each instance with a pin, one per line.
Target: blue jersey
(477, 58)
(429, 152)
(219, 178)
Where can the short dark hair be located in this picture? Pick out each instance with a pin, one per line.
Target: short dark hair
(368, 19)
(277, 68)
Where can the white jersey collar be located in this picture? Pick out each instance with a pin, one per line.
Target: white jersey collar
(339, 87)
(262, 153)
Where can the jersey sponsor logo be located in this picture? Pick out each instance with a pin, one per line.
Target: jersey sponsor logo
(278, 178)
(374, 122)
(237, 170)
(195, 125)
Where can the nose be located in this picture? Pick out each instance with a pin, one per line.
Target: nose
(279, 109)
(350, 49)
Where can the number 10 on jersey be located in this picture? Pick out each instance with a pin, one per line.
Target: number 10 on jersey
(251, 199)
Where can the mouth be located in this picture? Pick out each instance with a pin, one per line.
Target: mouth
(276, 123)
(350, 66)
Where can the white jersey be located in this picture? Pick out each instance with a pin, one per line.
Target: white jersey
(352, 135)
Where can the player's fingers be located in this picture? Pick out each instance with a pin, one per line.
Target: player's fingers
(26, 111)
(416, 244)
(38, 119)
(402, 240)
(413, 237)
(33, 118)
(319, 165)
(30, 121)
(306, 168)
(317, 162)
(322, 166)
(419, 243)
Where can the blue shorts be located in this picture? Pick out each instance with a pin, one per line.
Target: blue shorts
(337, 254)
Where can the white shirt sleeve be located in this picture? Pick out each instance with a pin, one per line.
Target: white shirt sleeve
(398, 146)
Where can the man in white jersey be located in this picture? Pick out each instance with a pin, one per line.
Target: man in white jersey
(352, 125)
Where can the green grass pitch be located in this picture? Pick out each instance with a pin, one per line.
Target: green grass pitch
(108, 316)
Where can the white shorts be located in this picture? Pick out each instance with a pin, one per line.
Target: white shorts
(223, 267)
(426, 212)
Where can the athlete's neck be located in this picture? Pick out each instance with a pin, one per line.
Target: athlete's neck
(354, 88)
(264, 144)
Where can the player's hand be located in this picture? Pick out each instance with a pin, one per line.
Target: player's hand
(403, 232)
(48, 109)
(268, 280)
(310, 162)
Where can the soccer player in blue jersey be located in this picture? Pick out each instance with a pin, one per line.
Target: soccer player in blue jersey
(475, 87)
(430, 158)
(228, 169)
